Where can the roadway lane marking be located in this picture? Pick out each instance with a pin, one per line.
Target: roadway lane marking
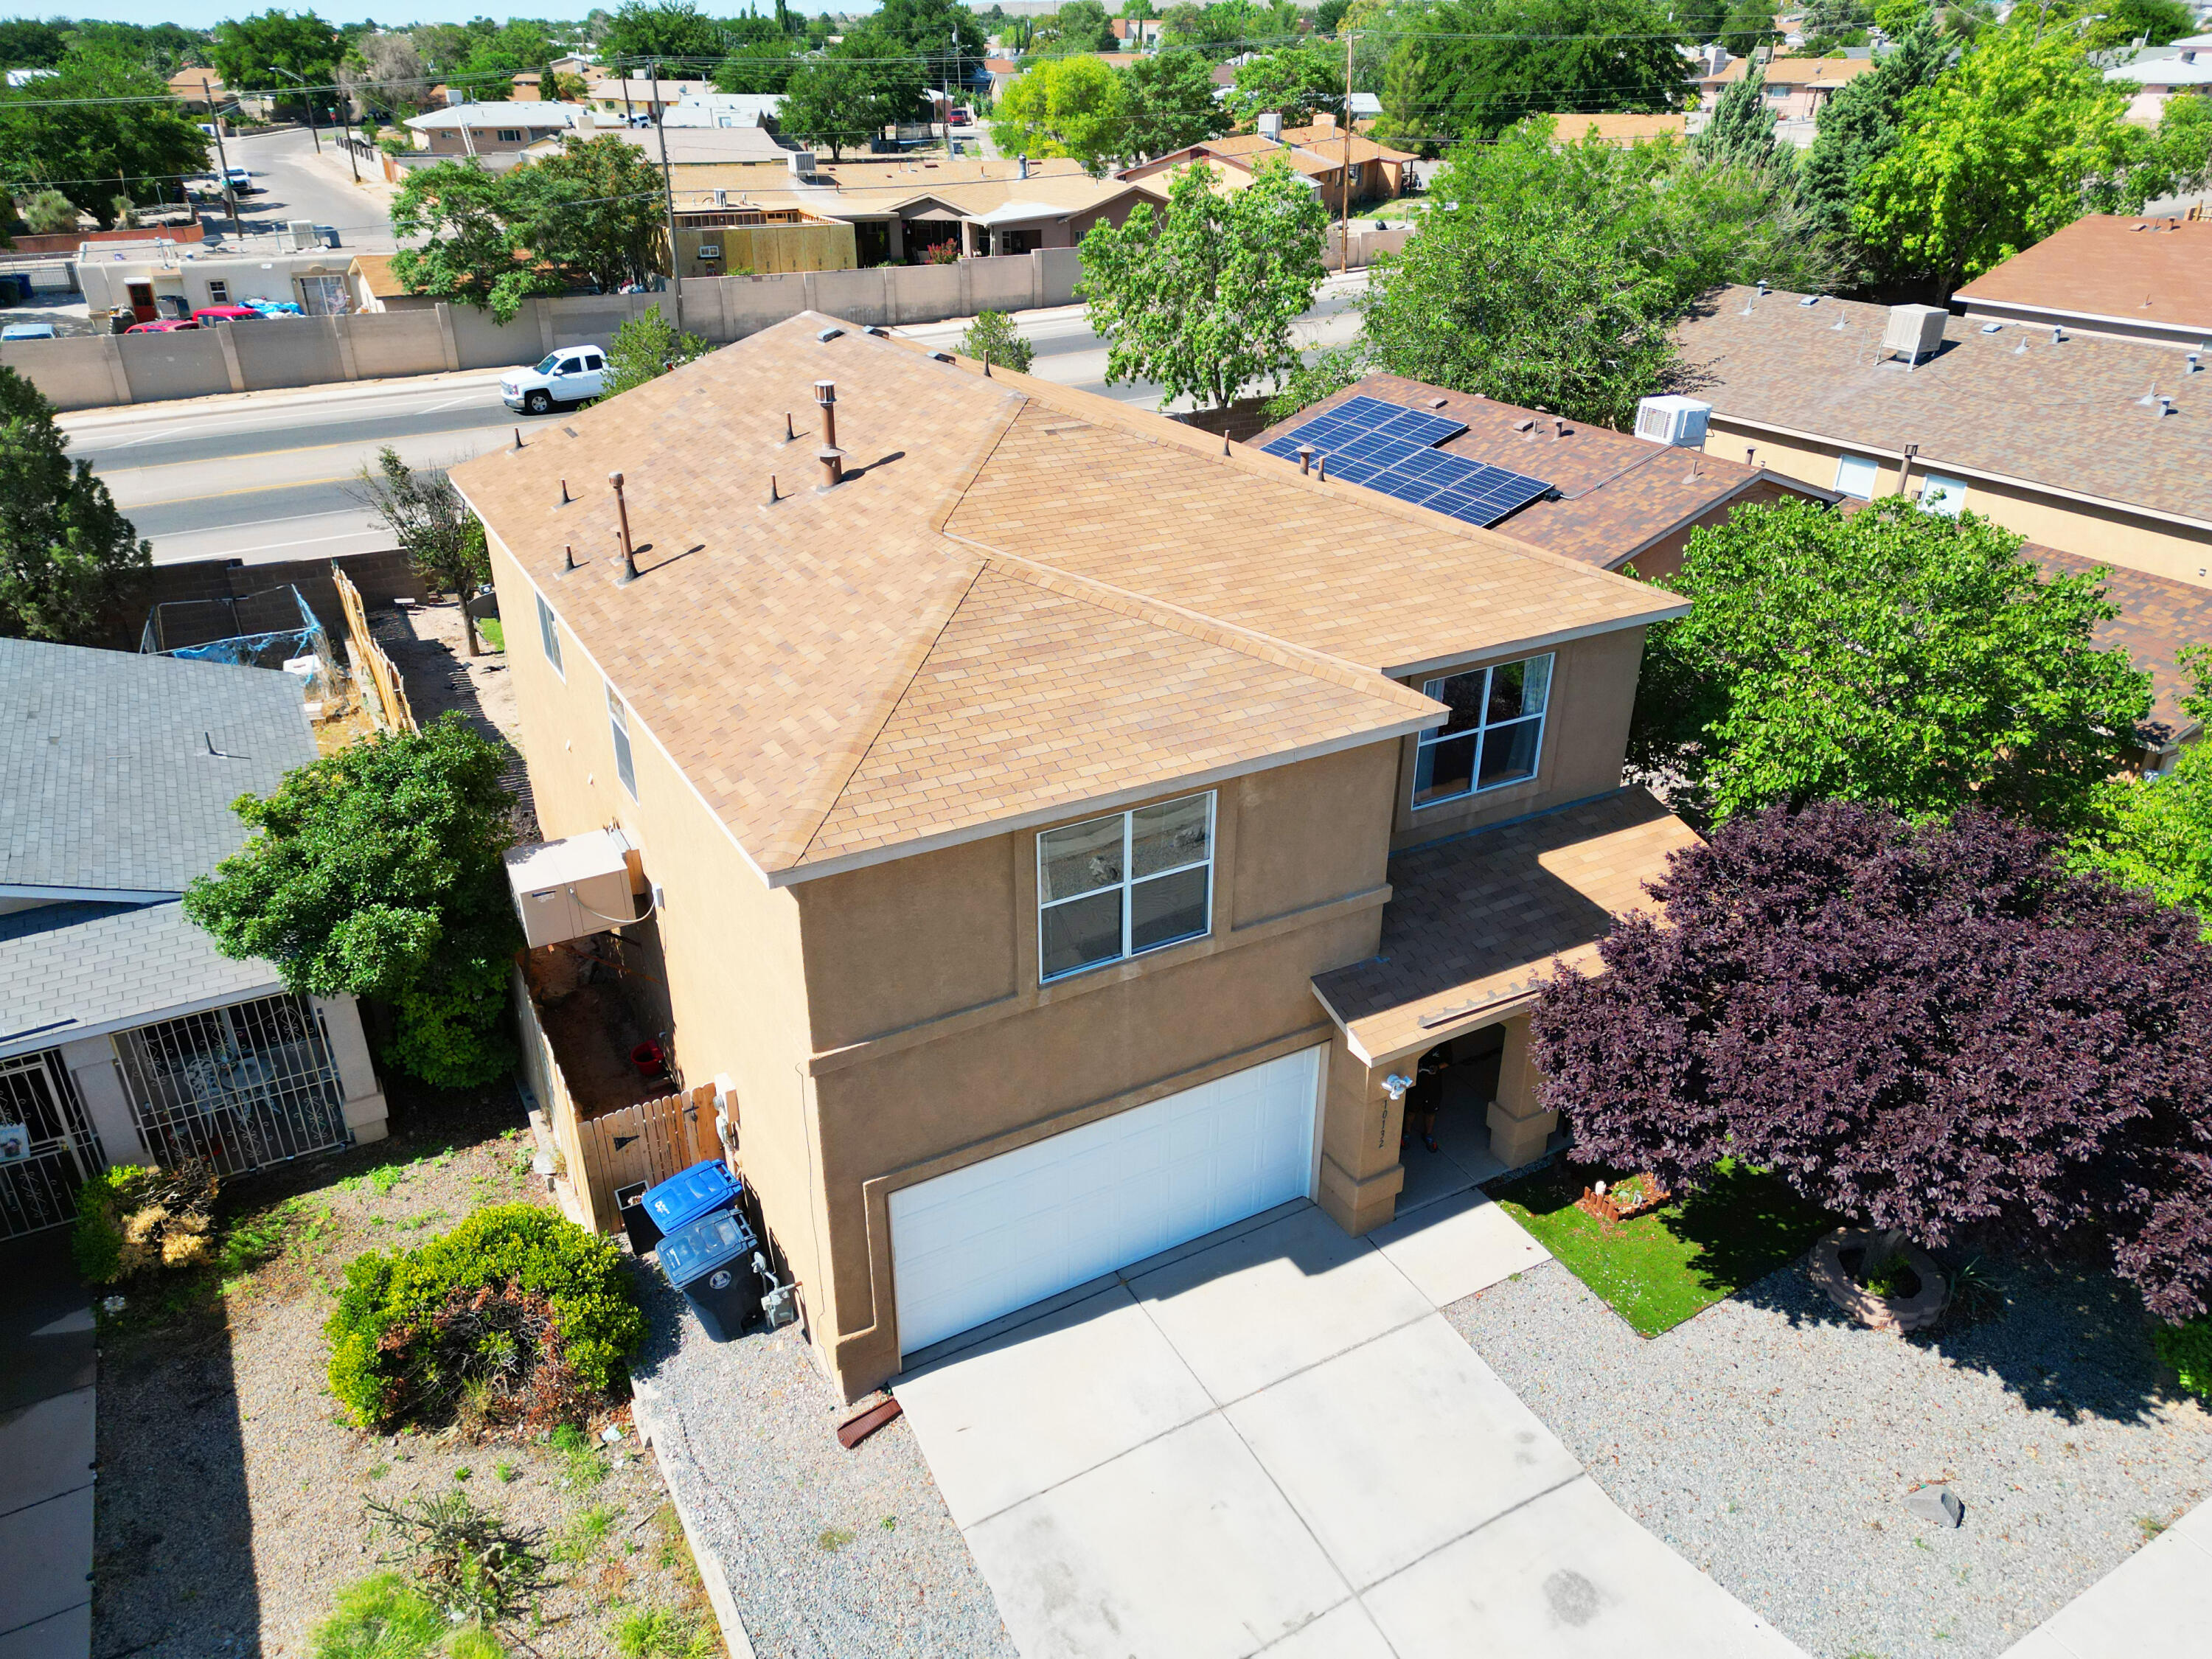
(139, 474)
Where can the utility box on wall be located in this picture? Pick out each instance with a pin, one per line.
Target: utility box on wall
(571, 889)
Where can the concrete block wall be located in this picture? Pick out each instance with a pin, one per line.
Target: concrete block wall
(107, 370)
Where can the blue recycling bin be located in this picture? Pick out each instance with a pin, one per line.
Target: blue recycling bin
(705, 1187)
(711, 1262)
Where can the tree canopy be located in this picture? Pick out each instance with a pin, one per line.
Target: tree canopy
(244, 49)
(376, 871)
(1490, 63)
(1857, 127)
(1069, 106)
(1742, 127)
(2155, 833)
(426, 515)
(1294, 82)
(1892, 656)
(80, 149)
(666, 29)
(67, 557)
(1930, 1028)
(1168, 103)
(1202, 299)
(850, 94)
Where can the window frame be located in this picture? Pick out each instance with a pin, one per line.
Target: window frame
(1128, 884)
(1846, 460)
(618, 730)
(1954, 495)
(548, 637)
(1424, 741)
(218, 290)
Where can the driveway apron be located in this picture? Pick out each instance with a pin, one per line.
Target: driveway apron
(1269, 1441)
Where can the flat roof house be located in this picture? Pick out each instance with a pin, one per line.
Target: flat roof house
(1066, 832)
(2090, 445)
(499, 128)
(2132, 278)
(125, 1037)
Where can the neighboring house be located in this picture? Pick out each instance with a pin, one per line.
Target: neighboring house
(703, 145)
(2141, 279)
(2158, 619)
(1140, 31)
(725, 109)
(490, 128)
(730, 239)
(1619, 129)
(644, 96)
(1022, 805)
(2064, 440)
(125, 1037)
(1611, 500)
(373, 287)
(2184, 70)
(155, 279)
(1002, 72)
(1323, 154)
(1796, 88)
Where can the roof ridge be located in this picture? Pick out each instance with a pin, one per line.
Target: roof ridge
(1192, 624)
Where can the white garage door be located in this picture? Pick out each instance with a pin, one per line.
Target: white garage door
(1012, 1230)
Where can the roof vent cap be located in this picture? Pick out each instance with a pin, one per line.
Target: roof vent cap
(829, 334)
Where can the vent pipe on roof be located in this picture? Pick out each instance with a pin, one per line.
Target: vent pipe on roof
(833, 466)
(825, 393)
(1022, 162)
(1305, 458)
(565, 496)
(568, 557)
(622, 530)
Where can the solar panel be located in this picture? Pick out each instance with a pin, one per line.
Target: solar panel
(1391, 450)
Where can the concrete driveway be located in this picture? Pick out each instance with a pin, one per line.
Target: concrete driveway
(1270, 1440)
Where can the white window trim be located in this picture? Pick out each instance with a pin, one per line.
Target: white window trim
(548, 636)
(1428, 739)
(618, 736)
(1874, 481)
(1129, 885)
(1952, 490)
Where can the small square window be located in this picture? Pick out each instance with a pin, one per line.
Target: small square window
(1945, 497)
(549, 635)
(1123, 884)
(1856, 476)
(218, 292)
(618, 723)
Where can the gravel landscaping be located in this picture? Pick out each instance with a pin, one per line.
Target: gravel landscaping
(829, 1553)
(1772, 1444)
(230, 1500)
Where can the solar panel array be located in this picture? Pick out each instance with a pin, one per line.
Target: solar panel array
(1392, 450)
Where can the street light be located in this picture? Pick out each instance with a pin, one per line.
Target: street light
(278, 69)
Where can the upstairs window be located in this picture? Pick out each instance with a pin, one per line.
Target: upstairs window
(1856, 475)
(1123, 884)
(1945, 497)
(549, 635)
(618, 723)
(1495, 735)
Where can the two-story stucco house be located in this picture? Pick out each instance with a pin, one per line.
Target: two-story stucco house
(1068, 835)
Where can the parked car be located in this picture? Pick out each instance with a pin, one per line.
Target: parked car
(241, 183)
(573, 374)
(209, 316)
(165, 326)
(27, 331)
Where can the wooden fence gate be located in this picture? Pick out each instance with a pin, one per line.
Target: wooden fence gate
(648, 1142)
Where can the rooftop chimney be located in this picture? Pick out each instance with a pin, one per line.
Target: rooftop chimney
(825, 393)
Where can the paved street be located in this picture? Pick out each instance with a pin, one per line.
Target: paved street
(298, 184)
(266, 476)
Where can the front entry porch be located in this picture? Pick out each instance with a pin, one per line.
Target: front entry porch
(1438, 1020)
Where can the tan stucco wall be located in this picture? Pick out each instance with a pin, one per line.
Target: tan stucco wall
(1664, 556)
(1585, 741)
(2120, 539)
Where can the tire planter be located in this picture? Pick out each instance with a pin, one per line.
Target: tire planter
(1901, 1314)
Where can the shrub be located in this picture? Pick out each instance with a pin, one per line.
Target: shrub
(380, 1618)
(467, 1560)
(2188, 1349)
(993, 337)
(517, 1311)
(133, 1218)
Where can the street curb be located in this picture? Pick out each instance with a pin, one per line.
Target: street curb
(645, 1412)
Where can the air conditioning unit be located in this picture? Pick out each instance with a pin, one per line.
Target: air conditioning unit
(571, 889)
(1917, 332)
(1679, 421)
(802, 163)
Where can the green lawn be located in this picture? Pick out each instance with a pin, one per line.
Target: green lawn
(494, 636)
(1670, 1265)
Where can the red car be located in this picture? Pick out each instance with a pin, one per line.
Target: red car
(208, 316)
(166, 325)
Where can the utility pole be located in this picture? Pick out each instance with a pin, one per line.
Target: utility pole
(278, 69)
(668, 198)
(1344, 192)
(222, 161)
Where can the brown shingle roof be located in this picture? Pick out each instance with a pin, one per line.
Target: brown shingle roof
(2132, 271)
(1617, 494)
(1476, 923)
(877, 667)
(2010, 404)
(1620, 128)
(2158, 616)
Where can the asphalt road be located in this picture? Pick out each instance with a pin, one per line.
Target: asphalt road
(298, 184)
(264, 476)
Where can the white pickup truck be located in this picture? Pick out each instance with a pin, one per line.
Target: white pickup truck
(573, 374)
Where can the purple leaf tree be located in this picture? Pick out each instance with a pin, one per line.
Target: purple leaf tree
(1930, 1028)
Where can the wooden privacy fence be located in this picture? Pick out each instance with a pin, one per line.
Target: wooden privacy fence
(393, 711)
(650, 1141)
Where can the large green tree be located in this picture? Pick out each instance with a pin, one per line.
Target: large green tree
(1857, 127)
(1742, 127)
(67, 557)
(1493, 62)
(1064, 106)
(1294, 82)
(758, 66)
(1996, 155)
(244, 49)
(376, 871)
(669, 30)
(1081, 26)
(1168, 103)
(848, 96)
(99, 123)
(593, 210)
(1201, 300)
(468, 252)
(943, 37)
(1893, 656)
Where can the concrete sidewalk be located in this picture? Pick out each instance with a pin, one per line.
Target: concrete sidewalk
(2157, 1602)
(47, 1363)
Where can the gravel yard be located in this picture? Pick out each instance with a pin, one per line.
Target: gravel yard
(230, 1501)
(829, 1554)
(1770, 1442)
